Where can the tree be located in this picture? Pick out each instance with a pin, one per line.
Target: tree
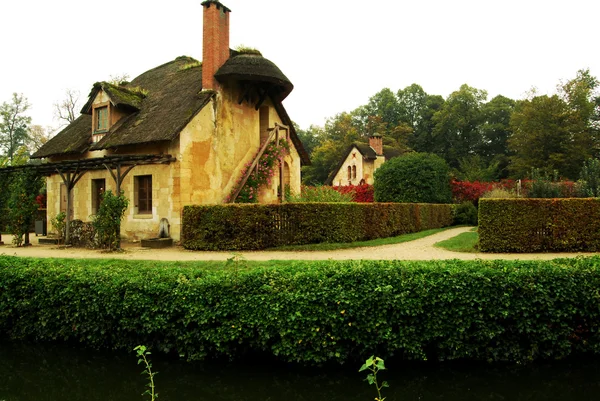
(24, 189)
(540, 136)
(495, 132)
(456, 132)
(557, 132)
(67, 110)
(414, 177)
(310, 137)
(38, 136)
(14, 125)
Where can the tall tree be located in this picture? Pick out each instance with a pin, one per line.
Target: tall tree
(557, 132)
(456, 132)
(14, 125)
(541, 134)
(67, 110)
(495, 132)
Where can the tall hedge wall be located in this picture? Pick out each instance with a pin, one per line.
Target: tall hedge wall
(310, 312)
(238, 227)
(539, 225)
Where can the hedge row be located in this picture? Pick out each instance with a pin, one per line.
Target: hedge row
(310, 312)
(539, 225)
(237, 227)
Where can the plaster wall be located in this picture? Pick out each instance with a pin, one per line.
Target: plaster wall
(363, 169)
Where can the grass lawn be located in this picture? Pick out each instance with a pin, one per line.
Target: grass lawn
(465, 242)
(359, 244)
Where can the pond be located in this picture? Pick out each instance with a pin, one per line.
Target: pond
(57, 372)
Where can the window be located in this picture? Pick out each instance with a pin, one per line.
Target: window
(143, 194)
(98, 188)
(264, 123)
(349, 173)
(101, 119)
(354, 172)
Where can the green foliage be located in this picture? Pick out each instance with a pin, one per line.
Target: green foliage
(107, 221)
(542, 185)
(320, 193)
(465, 213)
(142, 353)
(310, 312)
(58, 224)
(589, 178)
(415, 177)
(374, 365)
(457, 124)
(539, 225)
(25, 186)
(237, 227)
(474, 168)
(14, 125)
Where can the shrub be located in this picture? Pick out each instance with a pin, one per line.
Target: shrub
(236, 227)
(589, 178)
(320, 194)
(310, 312)
(415, 177)
(500, 193)
(360, 193)
(107, 221)
(465, 213)
(539, 225)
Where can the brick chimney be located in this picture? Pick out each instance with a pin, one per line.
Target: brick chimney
(215, 41)
(376, 142)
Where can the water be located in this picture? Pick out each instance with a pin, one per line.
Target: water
(57, 372)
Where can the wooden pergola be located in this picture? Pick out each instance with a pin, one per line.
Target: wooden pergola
(71, 172)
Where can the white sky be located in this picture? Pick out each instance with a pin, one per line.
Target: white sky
(336, 53)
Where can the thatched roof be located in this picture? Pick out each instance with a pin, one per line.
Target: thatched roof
(162, 101)
(73, 139)
(255, 68)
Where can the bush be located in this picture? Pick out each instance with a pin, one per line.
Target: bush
(360, 193)
(415, 177)
(107, 222)
(539, 225)
(589, 178)
(465, 213)
(319, 194)
(310, 312)
(237, 227)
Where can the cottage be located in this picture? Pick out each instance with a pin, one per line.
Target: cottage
(179, 134)
(360, 162)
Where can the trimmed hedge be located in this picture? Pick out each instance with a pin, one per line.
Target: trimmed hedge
(310, 312)
(539, 225)
(239, 227)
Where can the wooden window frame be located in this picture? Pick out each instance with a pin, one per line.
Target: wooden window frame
(96, 120)
(143, 194)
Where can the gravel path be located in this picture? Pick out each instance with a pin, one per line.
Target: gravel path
(421, 249)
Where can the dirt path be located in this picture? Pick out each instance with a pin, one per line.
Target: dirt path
(421, 249)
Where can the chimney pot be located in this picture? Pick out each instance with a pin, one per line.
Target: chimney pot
(376, 142)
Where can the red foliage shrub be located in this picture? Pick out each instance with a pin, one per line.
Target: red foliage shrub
(362, 193)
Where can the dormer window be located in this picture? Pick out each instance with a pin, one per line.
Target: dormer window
(101, 119)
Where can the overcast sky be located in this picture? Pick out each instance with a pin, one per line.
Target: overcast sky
(337, 53)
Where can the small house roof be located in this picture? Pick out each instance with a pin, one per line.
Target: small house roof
(367, 152)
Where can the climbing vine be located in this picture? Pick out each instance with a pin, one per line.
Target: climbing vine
(273, 155)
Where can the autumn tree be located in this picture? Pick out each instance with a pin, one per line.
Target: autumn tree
(14, 125)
